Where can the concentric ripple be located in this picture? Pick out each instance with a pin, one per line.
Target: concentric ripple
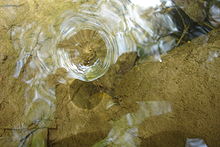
(87, 41)
(85, 47)
(109, 41)
(124, 26)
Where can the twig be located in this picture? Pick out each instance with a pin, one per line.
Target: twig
(186, 27)
(183, 35)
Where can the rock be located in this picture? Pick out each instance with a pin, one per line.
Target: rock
(202, 11)
(195, 9)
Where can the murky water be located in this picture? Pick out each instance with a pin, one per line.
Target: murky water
(84, 39)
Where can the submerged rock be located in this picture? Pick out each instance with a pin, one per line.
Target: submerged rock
(202, 11)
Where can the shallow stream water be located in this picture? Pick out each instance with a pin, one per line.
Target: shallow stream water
(82, 40)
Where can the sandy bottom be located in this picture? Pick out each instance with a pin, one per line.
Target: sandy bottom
(188, 78)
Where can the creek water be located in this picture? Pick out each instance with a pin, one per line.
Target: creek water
(84, 39)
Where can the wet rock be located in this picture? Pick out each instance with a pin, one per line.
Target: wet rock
(195, 9)
(202, 11)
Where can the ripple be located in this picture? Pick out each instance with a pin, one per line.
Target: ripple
(87, 41)
(118, 27)
(98, 19)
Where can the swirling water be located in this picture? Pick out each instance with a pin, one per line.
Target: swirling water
(69, 39)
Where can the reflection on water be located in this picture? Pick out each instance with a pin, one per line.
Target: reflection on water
(212, 56)
(121, 26)
(86, 40)
(125, 130)
(195, 142)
